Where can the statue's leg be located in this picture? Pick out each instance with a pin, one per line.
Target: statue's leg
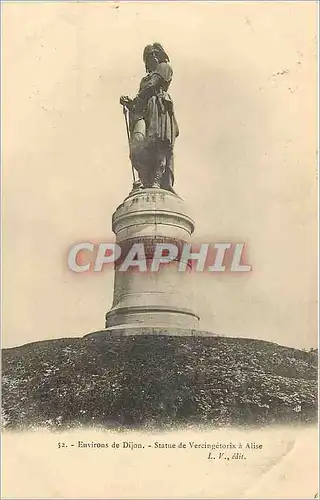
(137, 149)
(160, 167)
(168, 177)
(139, 131)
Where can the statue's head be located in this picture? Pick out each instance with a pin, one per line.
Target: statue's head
(153, 55)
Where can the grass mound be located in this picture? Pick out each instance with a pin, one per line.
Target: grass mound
(157, 381)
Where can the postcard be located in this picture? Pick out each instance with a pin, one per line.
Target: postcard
(159, 250)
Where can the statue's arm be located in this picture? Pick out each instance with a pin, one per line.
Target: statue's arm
(149, 88)
(161, 76)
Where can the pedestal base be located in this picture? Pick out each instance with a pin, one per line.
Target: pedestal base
(150, 316)
(133, 330)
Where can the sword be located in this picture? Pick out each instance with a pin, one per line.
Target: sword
(125, 113)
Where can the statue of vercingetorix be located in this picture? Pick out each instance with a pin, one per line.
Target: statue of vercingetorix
(152, 123)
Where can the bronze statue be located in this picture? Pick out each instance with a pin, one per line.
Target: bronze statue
(152, 127)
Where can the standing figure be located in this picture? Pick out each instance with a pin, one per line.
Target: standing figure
(152, 123)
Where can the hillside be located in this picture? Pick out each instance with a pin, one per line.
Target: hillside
(156, 381)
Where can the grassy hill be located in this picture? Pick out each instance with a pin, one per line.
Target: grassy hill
(157, 381)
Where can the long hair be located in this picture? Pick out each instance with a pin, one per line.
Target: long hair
(159, 51)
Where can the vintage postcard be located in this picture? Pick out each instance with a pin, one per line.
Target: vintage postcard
(159, 250)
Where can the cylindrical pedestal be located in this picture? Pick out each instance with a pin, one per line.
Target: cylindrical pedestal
(151, 298)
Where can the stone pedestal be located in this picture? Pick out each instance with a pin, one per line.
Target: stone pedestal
(148, 300)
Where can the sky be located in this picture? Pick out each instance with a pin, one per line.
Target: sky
(244, 90)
